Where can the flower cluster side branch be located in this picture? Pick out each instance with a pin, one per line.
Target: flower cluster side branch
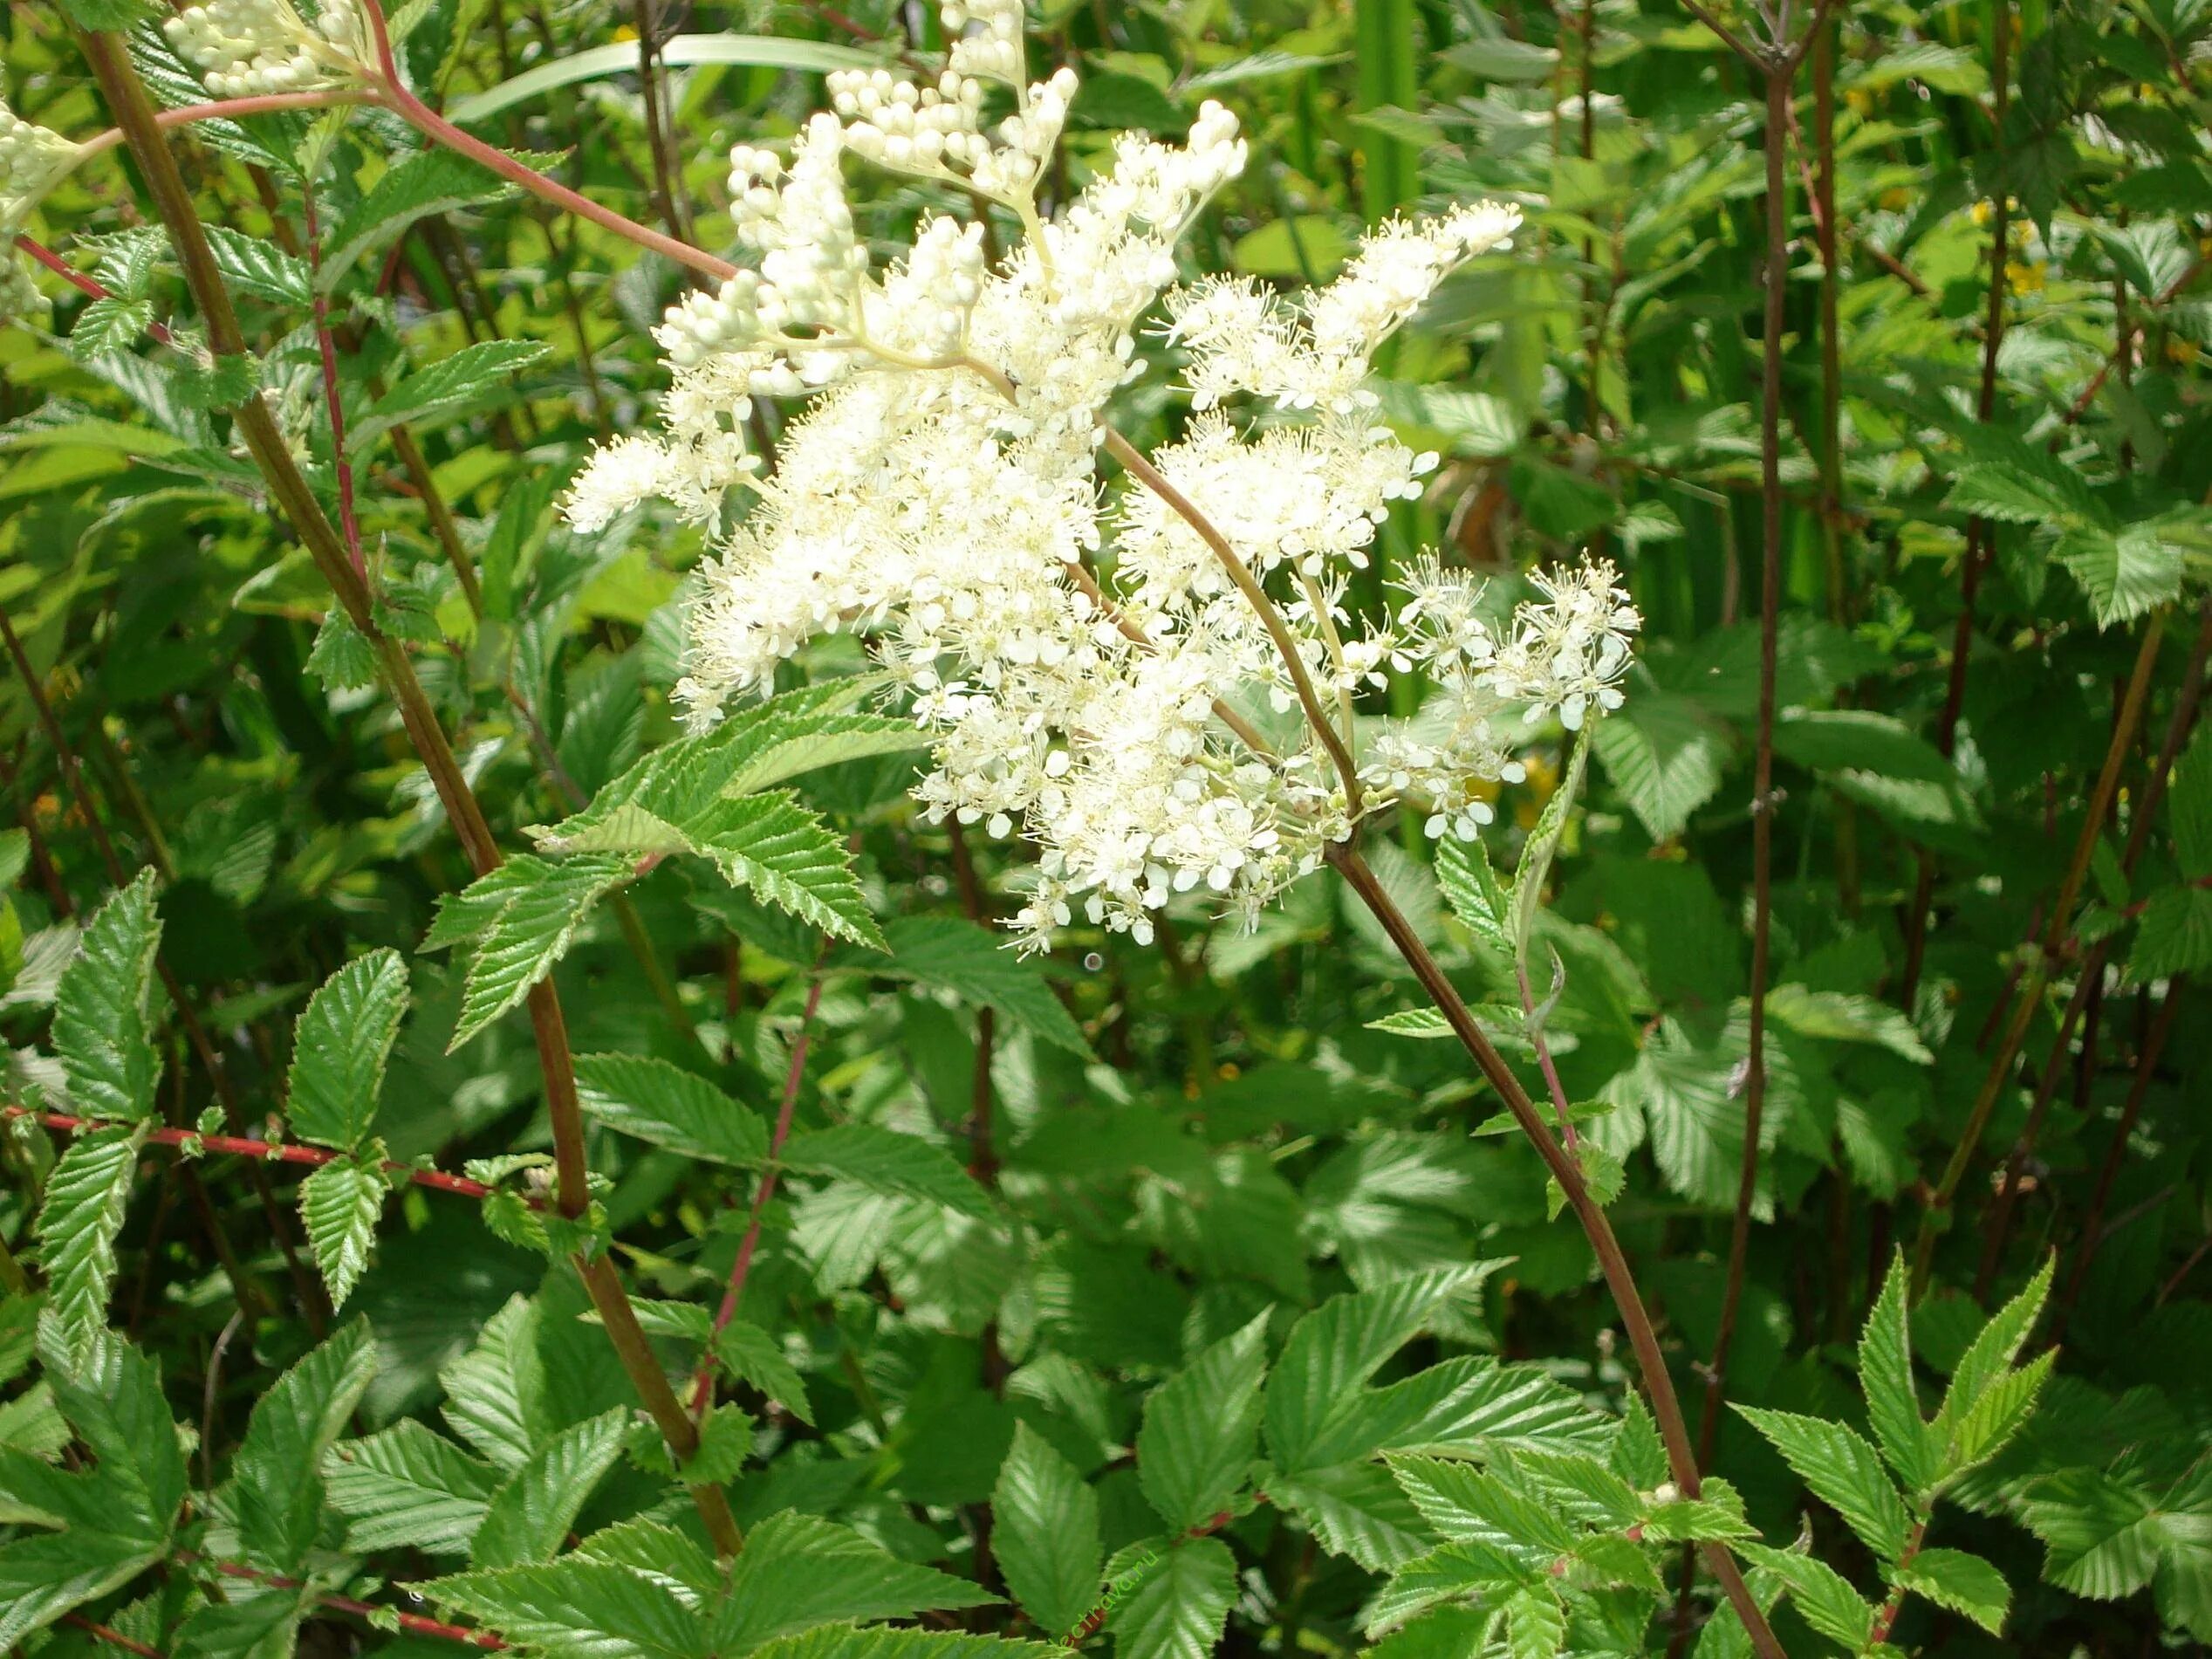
(1667, 1410)
(127, 97)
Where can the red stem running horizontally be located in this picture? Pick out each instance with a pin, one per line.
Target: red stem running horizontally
(243, 1147)
(92, 287)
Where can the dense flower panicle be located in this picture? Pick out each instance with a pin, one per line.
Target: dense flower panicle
(247, 48)
(33, 159)
(939, 495)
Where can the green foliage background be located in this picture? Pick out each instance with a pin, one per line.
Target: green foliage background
(1165, 1282)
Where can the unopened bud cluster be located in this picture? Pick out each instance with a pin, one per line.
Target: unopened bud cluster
(33, 159)
(940, 496)
(251, 48)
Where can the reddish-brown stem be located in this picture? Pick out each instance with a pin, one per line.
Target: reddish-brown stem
(92, 287)
(127, 97)
(982, 1158)
(702, 1379)
(226, 109)
(413, 1623)
(261, 1151)
(1887, 1617)
(326, 348)
(113, 1637)
(1613, 1262)
(1543, 1045)
(1979, 534)
(2142, 814)
(2057, 930)
(2093, 1225)
(1754, 1080)
(1135, 465)
(412, 109)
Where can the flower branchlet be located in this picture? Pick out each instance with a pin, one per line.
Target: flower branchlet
(952, 517)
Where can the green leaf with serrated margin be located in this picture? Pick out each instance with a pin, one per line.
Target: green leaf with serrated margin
(1987, 1360)
(338, 1204)
(109, 325)
(529, 1516)
(1200, 1429)
(101, 1026)
(1843, 1472)
(473, 376)
(792, 746)
(1822, 1595)
(1045, 1532)
(576, 1608)
(1472, 889)
(82, 1212)
(277, 1490)
(801, 1570)
(255, 266)
(1355, 1510)
(1885, 1378)
(433, 180)
(752, 1355)
(407, 1487)
(2174, 935)
(1332, 1351)
(787, 856)
(843, 1642)
(2124, 573)
(1535, 1622)
(523, 916)
(1469, 1505)
(496, 1392)
(1960, 1582)
(977, 968)
(1177, 1610)
(669, 1106)
(342, 656)
(340, 1047)
(883, 1161)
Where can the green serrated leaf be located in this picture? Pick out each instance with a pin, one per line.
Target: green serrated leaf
(472, 377)
(1843, 1472)
(1961, 1583)
(529, 1516)
(81, 1214)
(1200, 1429)
(1178, 1607)
(407, 1488)
(883, 1160)
(801, 1570)
(1823, 1596)
(1046, 1533)
(276, 1491)
(981, 970)
(1886, 1377)
(671, 1107)
(340, 1047)
(339, 1204)
(523, 916)
(101, 1026)
(787, 856)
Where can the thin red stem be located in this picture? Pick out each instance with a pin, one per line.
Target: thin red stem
(90, 286)
(245, 1146)
(326, 346)
(702, 1380)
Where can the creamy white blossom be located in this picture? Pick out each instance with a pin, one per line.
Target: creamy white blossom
(33, 159)
(248, 48)
(939, 495)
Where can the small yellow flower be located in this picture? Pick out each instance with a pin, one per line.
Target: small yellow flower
(2184, 352)
(1898, 200)
(2025, 278)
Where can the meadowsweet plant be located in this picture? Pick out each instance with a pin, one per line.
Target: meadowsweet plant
(1158, 831)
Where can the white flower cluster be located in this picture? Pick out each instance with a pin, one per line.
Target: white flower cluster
(940, 496)
(247, 48)
(33, 159)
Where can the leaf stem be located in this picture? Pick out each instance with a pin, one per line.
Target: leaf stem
(127, 97)
(1643, 1338)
